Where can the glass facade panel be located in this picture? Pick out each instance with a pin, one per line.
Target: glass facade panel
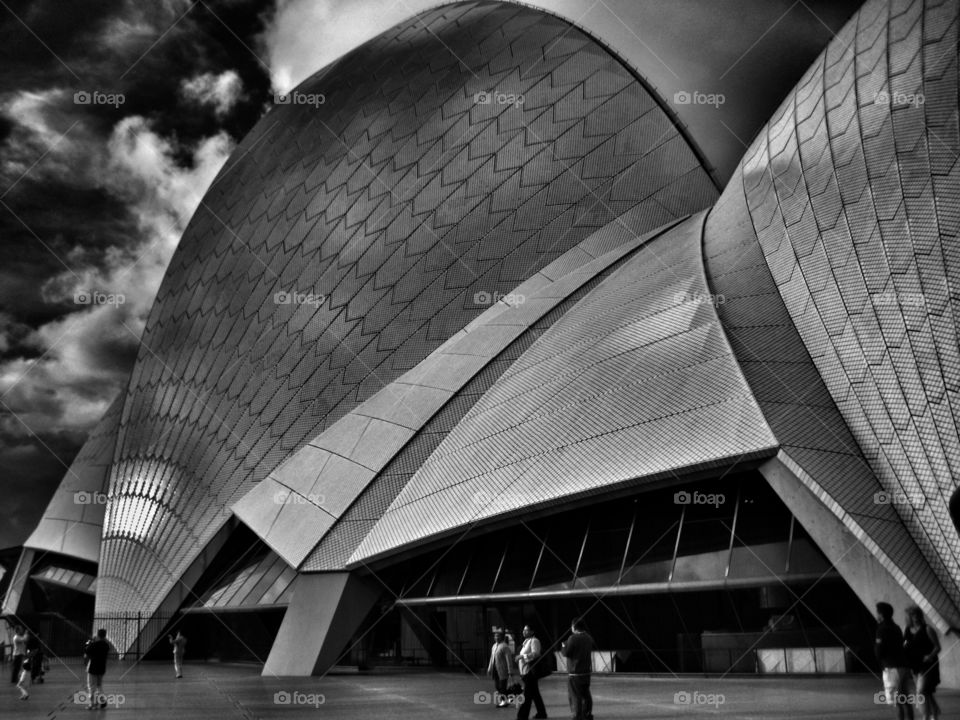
(607, 539)
(562, 543)
(523, 549)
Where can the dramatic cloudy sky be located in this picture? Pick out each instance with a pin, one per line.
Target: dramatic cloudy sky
(93, 197)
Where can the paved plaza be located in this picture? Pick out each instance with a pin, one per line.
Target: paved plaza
(212, 692)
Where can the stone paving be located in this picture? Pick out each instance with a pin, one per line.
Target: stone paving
(212, 692)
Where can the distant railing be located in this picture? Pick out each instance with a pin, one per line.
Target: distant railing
(64, 638)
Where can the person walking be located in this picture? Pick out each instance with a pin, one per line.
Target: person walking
(922, 647)
(96, 653)
(24, 680)
(578, 650)
(179, 644)
(20, 637)
(500, 667)
(35, 654)
(897, 677)
(529, 659)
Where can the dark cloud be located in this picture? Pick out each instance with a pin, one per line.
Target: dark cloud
(31, 471)
(41, 41)
(94, 197)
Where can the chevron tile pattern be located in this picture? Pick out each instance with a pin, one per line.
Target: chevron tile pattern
(853, 190)
(598, 401)
(73, 521)
(794, 398)
(546, 298)
(349, 236)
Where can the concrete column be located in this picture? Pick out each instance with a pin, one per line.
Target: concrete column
(18, 583)
(863, 572)
(325, 611)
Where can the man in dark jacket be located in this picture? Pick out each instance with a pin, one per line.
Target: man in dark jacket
(96, 653)
(897, 677)
(578, 650)
(35, 652)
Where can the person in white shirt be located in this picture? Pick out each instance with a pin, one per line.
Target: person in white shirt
(179, 648)
(530, 652)
(19, 651)
(500, 667)
(24, 681)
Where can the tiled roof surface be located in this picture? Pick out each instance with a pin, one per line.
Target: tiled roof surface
(389, 201)
(853, 190)
(635, 382)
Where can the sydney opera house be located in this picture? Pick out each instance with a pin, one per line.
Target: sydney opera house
(471, 330)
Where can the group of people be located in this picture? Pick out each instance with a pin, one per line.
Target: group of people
(96, 652)
(28, 660)
(910, 662)
(531, 663)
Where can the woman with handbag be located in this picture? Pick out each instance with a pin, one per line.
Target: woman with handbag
(532, 664)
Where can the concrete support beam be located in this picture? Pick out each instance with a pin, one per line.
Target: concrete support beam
(18, 583)
(325, 611)
(863, 572)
